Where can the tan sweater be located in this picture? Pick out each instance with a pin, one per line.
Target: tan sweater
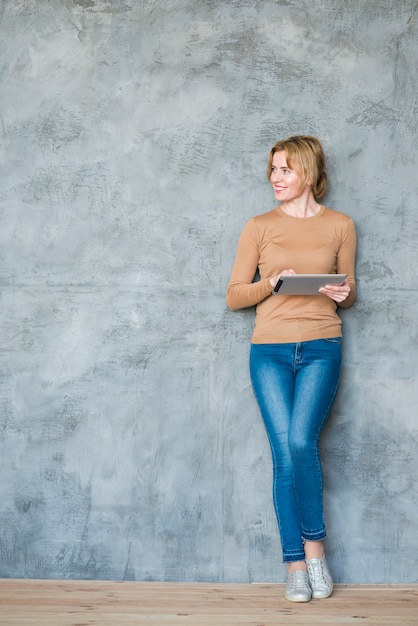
(275, 241)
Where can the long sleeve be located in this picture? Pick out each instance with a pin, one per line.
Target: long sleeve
(346, 262)
(242, 291)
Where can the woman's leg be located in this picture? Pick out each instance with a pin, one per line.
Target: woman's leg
(317, 376)
(273, 380)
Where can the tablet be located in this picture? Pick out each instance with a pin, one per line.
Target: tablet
(306, 284)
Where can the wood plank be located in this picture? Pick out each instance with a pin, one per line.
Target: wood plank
(104, 603)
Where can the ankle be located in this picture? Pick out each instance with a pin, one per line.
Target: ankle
(314, 549)
(296, 566)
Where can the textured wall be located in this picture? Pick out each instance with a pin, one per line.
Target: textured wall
(134, 139)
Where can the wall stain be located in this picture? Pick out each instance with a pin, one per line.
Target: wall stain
(85, 3)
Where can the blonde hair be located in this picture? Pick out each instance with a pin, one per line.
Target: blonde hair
(305, 154)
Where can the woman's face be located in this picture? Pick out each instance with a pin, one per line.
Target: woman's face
(286, 182)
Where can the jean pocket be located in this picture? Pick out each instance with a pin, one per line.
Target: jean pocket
(335, 340)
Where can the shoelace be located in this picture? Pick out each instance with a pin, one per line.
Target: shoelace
(298, 579)
(318, 574)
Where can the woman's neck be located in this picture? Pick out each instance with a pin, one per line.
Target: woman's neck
(303, 206)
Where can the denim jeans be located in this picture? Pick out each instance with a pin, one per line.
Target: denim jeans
(295, 386)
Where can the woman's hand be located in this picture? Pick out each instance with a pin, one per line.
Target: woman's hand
(275, 279)
(338, 293)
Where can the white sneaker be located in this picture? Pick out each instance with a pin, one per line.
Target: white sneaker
(319, 578)
(297, 587)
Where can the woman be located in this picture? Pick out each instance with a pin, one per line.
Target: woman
(295, 354)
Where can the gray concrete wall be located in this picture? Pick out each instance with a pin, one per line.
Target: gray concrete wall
(134, 139)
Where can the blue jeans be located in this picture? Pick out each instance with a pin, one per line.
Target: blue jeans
(295, 385)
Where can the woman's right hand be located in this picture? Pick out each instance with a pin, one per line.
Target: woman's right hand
(275, 279)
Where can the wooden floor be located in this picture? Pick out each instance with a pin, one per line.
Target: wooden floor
(74, 603)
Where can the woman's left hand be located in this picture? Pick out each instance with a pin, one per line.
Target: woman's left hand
(338, 293)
